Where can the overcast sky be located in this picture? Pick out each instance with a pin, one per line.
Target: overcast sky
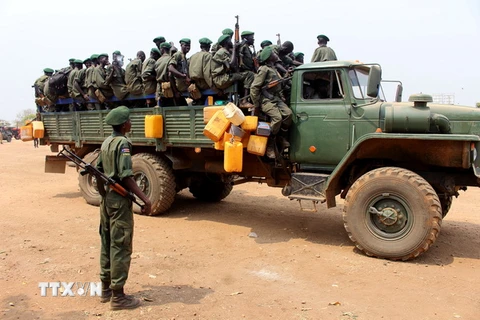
(431, 46)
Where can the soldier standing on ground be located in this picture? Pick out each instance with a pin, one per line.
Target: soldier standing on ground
(271, 101)
(323, 53)
(116, 214)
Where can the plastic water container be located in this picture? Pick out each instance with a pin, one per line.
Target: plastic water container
(234, 114)
(233, 161)
(250, 123)
(26, 133)
(38, 129)
(216, 127)
(208, 113)
(257, 145)
(154, 126)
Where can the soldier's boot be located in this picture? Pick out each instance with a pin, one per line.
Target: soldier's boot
(106, 292)
(122, 301)
(270, 152)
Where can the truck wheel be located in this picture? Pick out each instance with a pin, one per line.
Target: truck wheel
(9, 138)
(211, 187)
(88, 183)
(155, 178)
(446, 203)
(392, 213)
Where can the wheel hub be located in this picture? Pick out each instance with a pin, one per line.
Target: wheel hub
(388, 215)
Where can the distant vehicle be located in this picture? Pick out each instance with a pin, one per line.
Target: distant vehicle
(6, 133)
(15, 132)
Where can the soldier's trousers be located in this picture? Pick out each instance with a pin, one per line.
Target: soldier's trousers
(116, 233)
(226, 80)
(279, 113)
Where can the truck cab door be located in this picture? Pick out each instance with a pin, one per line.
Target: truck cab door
(320, 133)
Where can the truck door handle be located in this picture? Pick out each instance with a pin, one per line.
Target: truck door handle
(302, 116)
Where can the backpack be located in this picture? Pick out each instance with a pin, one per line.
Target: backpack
(58, 82)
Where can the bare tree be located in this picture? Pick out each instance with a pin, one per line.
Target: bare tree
(24, 115)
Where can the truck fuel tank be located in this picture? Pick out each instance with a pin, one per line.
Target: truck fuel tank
(418, 118)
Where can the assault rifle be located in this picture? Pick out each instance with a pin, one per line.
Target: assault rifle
(89, 169)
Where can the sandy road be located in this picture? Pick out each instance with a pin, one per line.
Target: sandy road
(198, 261)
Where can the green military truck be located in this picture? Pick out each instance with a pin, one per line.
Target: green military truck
(397, 164)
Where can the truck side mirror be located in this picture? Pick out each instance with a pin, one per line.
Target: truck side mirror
(374, 79)
(398, 94)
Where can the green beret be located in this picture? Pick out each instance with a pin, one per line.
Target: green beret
(118, 53)
(86, 60)
(265, 43)
(247, 33)
(228, 31)
(265, 54)
(102, 55)
(94, 56)
(298, 54)
(78, 61)
(71, 60)
(322, 36)
(165, 45)
(117, 116)
(159, 39)
(48, 70)
(205, 41)
(223, 38)
(155, 50)
(185, 40)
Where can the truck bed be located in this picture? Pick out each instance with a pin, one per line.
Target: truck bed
(183, 127)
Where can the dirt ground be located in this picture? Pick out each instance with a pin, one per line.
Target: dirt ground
(200, 262)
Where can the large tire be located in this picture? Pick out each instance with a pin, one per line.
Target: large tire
(155, 178)
(211, 187)
(446, 203)
(392, 213)
(88, 183)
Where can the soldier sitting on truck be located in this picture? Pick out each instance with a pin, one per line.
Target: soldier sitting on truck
(199, 66)
(271, 101)
(224, 65)
(133, 74)
(39, 87)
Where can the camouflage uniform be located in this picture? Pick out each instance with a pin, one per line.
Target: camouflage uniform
(161, 69)
(246, 58)
(133, 77)
(199, 70)
(116, 213)
(99, 78)
(279, 113)
(148, 69)
(179, 61)
(222, 79)
(324, 53)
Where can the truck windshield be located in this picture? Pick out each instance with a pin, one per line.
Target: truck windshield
(359, 79)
